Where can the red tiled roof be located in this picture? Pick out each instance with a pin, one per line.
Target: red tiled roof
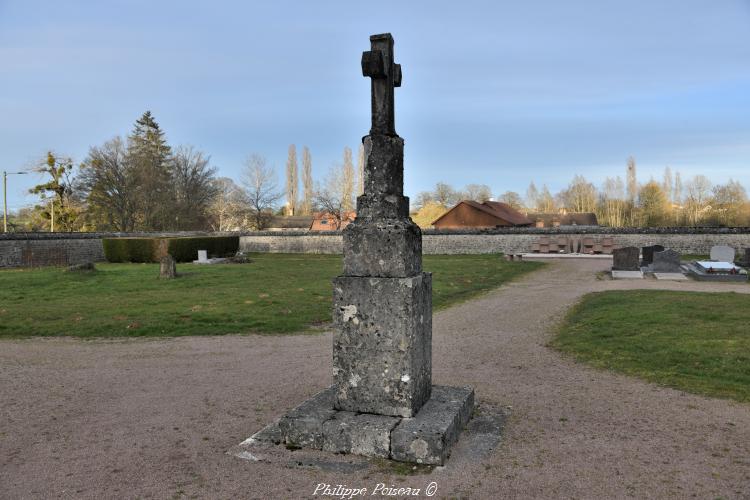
(496, 209)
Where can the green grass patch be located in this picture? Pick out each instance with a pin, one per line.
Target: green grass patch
(276, 293)
(697, 342)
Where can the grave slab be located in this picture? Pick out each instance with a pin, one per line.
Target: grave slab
(670, 276)
(627, 275)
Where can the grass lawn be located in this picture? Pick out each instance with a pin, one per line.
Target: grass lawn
(697, 342)
(276, 293)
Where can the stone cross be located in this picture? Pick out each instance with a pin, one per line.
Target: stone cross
(378, 64)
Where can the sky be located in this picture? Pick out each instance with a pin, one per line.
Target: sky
(497, 92)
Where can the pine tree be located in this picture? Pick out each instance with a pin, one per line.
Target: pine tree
(292, 185)
(150, 159)
(307, 182)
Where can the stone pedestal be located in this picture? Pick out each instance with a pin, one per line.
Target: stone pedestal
(382, 344)
(425, 439)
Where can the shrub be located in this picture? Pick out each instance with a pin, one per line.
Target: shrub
(129, 249)
(182, 249)
(186, 249)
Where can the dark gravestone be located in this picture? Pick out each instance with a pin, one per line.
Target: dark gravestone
(648, 253)
(625, 259)
(167, 267)
(667, 261)
(745, 261)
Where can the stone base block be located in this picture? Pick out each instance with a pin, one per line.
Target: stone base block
(382, 344)
(428, 437)
(425, 439)
(389, 248)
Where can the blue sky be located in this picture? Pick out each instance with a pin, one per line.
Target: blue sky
(498, 93)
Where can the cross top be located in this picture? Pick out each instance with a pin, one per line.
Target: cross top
(377, 63)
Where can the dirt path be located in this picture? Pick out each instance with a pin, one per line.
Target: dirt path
(154, 418)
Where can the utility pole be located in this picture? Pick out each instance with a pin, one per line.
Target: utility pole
(5, 197)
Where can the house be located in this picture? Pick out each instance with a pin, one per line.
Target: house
(324, 221)
(490, 214)
(563, 219)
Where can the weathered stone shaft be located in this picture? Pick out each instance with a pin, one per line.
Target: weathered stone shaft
(382, 345)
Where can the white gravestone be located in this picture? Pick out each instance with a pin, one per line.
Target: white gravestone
(202, 255)
(722, 253)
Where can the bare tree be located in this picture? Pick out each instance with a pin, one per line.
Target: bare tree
(532, 197)
(513, 199)
(328, 197)
(677, 191)
(361, 170)
(667, 183)
(194, 190)
(546, 201)
(612, 202)
(653, 204)
(307, 182)
(228, 210)
(478, 192)
(108, 186)
(632, 180)
(697, 197)
(580, 195)
(347, 181)
(261, 189)
(445, 195)
(291, 181)
(728, 201)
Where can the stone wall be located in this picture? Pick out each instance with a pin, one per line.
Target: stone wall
(62, 249)
(34, 252)
(44, 249)
(509, 241)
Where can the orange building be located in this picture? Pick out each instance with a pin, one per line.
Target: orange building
(323, 221)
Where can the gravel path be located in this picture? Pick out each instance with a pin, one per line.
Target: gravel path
(154, 418)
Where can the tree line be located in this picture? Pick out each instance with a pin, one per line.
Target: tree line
(618, 202)
(141, 183)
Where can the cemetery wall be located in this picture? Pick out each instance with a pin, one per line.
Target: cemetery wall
(509, 241)
(43, 249)
(63, 249)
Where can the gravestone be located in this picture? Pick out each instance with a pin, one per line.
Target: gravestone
(625, 259)
(722, 253)
(667, 261)
(167, 267)
(648, 253)
(745, 261)
(382, 402)
(202, 255)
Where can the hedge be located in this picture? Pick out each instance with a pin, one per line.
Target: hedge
(182, 249)
(129, 249)
(186, 249)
